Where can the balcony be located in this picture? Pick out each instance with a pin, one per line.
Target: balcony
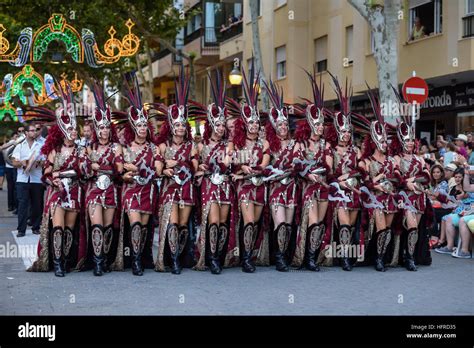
(468, 26)
(231, 31)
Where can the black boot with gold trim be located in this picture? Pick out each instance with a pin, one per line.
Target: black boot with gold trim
(135, 242)
(248, 243)
(412, 238)
(345, 241)
(56, 240)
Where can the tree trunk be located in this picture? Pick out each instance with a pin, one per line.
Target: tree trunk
(258, 52)
(385, 26)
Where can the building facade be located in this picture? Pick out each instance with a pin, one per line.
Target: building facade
(295, 34)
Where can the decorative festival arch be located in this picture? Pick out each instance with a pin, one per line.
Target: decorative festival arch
(57, 29)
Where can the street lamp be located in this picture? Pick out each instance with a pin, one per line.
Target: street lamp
(235, 77)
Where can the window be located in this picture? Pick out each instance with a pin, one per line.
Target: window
(469, 7)
(468, 19)
(321, 58)
(280, 53)
(349, 44)
(372, 42)
(425, 18)
(279, 3)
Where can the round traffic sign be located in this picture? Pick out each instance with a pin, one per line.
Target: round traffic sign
(415, 90)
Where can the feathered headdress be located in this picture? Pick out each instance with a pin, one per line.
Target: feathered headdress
(136, 113)
(377, 127)
(405, 129)
(249, 111)
(178, 113)
(278, 112)
(102, 115)
(217, 111)
(342, 119)
(315, 111)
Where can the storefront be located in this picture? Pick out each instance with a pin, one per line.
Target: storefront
(449, 110)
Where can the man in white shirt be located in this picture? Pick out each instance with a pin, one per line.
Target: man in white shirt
(28, 160)
(10, 174)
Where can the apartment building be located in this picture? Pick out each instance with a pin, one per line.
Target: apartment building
(295, 34)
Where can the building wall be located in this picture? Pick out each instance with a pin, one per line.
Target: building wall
(313, 19)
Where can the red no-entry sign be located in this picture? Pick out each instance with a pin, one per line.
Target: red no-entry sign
(415, 90)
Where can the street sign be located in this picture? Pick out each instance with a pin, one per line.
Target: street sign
(415, 90)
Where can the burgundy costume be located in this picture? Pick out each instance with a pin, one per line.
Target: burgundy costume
(57, 243)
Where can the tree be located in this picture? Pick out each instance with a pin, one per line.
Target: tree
(384, 23)
(98, 16)
(257, 50)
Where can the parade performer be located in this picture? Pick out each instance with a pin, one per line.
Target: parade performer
(381, 178)
(280, 175)
(415, 176)
(315, 162)
(177, 196)
(63, 167)
(104, 167)
(251, 154)
(346, 175)
(142, 164)
(216, 188)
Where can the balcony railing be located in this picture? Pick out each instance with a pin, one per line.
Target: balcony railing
(234, 30)
(468, 26)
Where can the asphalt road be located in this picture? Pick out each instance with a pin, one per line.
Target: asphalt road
(444, 288)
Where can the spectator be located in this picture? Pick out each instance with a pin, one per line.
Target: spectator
(450, 155)
(469, 148)
(438, 189)
(2, 169)
(465, 209)
(449, 173)
(461, 142)
(26, 157)
(418, 30)
(470, 138)
(86, 135)
(223, 28)
(10, 175)
(466, 228)
(232, 20)
(441, 146)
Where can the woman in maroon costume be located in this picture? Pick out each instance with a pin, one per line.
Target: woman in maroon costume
(281, 175)
(314, 164)
(381, 177)
(177, 194)
(216, 188)
(346, 174)
(251, 155)
(104, 165)
(142, 164)
(415, 176)
(63, 167)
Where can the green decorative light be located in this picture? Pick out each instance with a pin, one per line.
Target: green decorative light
(8, 109)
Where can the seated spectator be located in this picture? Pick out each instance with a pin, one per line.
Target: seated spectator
(451, 221)
(418, 30)
(466, 228)
(438, 189)
(449, 174)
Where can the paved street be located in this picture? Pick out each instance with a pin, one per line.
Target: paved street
(444, 288)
